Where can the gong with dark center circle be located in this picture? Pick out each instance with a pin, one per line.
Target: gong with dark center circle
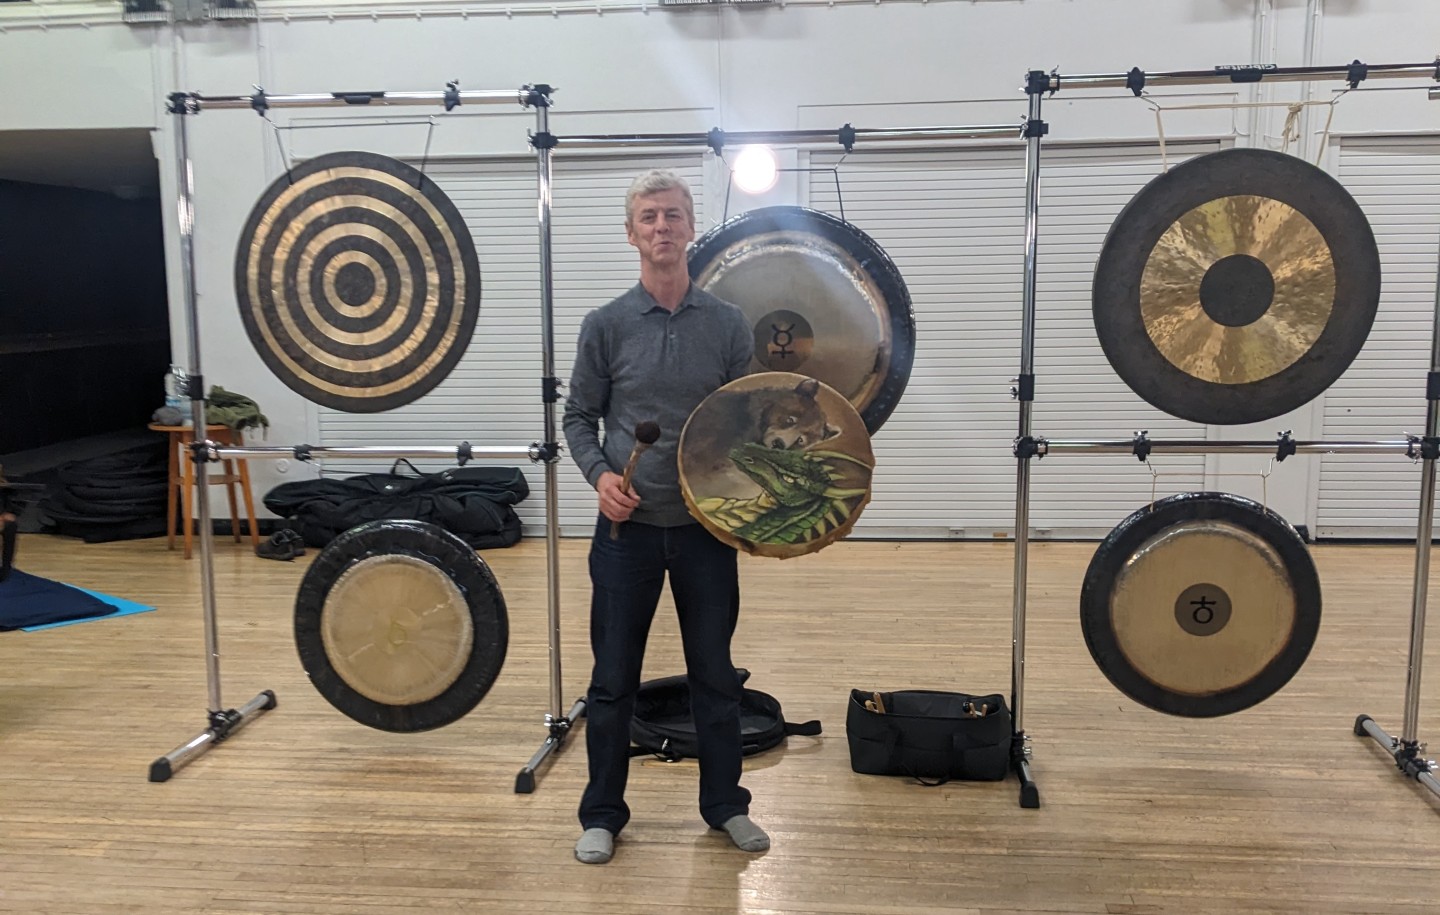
(357, 281)
(1236, 287)
(1200, 605)
(401, 626)
(823, 298)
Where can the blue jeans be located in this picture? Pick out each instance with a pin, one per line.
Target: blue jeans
(627, 575)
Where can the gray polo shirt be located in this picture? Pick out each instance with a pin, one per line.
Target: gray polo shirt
(639, 362)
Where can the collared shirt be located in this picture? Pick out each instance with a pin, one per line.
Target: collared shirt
(638, 362)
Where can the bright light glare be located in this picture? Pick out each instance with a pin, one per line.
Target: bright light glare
(756, 170)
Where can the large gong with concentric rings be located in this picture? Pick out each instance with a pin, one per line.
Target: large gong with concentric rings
(357, 281)
(1236, 287)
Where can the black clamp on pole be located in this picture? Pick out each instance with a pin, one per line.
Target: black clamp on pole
(463, 454)
(1023, 388)
(1038, 82)
(549, 452)
(1432, 386)
(1035, 128)
(303, 453)
(452, 95)
(1141, 446)
(715, 139)
(260, 102)
(1028, 446)
(538, 96)
(550, 389)
(358, 98)
(1135, 81)
(846, 137)
(544, 140)
(1285, 446)
(183, 103)
(1426, 448)
(202, 451)
(1356, 74)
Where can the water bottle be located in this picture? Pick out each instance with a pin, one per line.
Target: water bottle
(175, 392)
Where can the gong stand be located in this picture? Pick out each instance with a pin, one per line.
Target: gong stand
(847, 137)
(1405, 748)
(223, 722)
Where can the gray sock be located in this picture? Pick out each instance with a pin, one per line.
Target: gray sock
(596, 846)
(745, 834)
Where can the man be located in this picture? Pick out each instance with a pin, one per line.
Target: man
(654, 354)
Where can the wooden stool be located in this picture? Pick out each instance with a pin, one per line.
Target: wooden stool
(183, 479)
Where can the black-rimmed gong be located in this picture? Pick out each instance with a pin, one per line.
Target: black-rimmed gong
(1202, 604)
(401, 626)
(357, 281)
(824, 299)
(1236, 287)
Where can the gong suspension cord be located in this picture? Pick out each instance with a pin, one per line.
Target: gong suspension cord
(1155, 476)
(1289, 133)
(833, 170)
(285, 157)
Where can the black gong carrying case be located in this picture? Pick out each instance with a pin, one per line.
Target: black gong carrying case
(928, 734)
(663, 725)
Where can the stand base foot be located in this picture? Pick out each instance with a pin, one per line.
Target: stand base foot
(1020, 762)
(1408, 754)
(559, 731)
(222, 725)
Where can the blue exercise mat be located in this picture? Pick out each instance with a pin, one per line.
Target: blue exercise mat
(30, 602)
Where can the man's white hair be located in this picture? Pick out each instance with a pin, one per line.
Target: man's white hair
(653, 182)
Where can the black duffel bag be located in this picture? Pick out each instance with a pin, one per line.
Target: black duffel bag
(474, 503)
(928, 734)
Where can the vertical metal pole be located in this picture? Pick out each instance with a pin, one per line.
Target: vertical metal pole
(1026, 395)
(1423, 534)
(183, 108)
(547, 338)
(1037, 83)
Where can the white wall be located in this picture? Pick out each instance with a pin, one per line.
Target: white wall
(620, 68)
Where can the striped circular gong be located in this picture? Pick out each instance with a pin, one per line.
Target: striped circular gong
(1202, 604)
(1236, 287)
(401, 626)
(357, 282)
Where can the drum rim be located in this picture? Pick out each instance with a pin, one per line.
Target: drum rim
(1120, 545)
(1164, 199)
(871, 257)
(767, 548)
(449, 555)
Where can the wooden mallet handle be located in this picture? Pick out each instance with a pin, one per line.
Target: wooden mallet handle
(646, 434)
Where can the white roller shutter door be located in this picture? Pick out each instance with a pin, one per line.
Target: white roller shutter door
(1396, 181)
(953, 222)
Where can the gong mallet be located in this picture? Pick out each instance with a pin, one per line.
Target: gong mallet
(646, 434)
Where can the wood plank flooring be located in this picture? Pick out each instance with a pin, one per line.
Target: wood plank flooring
(1276, 809)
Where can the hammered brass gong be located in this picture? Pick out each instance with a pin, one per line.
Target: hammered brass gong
(1203, 604)
(1236, 287)
(400, 625)
(823, 298)
(357, 281)
(776, 464)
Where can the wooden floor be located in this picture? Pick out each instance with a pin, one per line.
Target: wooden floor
(1276, 809)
